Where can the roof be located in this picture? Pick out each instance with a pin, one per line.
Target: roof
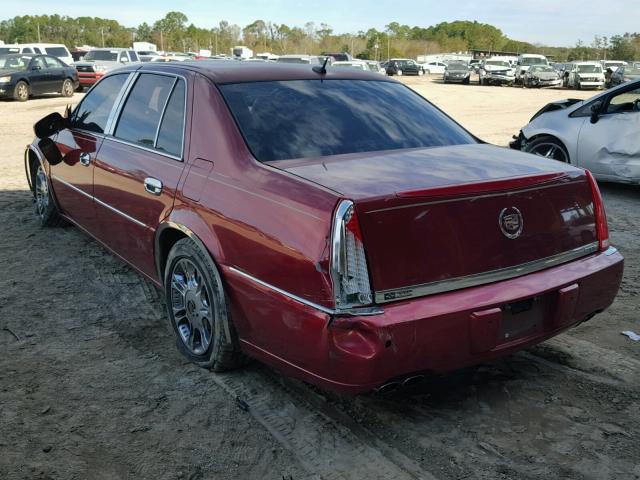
(234, 71)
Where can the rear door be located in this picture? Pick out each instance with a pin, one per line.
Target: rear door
(73, 177)
(140, 164)
(55, 72)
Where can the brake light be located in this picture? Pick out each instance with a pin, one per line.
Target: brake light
(349, 272)
(602, 229)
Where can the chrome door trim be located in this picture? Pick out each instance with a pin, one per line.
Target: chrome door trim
(360, 311)
(483, 278)
(97, 200)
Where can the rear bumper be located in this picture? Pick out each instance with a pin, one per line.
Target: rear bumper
(437, 333)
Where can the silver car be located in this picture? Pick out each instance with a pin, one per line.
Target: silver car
(599, 134)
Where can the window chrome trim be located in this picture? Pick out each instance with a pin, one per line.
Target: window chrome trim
(109, 134)
(97, 200)
(478, 279)
(360, 311)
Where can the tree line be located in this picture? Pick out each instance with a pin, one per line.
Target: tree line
(174, 32)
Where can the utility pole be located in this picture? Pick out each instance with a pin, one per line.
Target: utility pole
(161, 42)
(388, 47)
(38, 24)
(102, 32)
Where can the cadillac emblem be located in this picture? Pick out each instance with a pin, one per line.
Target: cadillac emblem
(511, 223)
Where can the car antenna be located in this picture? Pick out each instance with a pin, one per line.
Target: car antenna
(323, 69)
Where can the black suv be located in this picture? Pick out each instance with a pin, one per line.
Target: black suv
(403, 66)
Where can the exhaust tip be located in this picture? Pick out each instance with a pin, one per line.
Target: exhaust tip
(413, 380)
(388, 387)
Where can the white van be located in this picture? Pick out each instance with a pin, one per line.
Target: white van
(526, 61)
(54, 49)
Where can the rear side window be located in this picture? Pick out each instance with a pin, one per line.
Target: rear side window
(53, 62)
(57, 51)
(172, 126)
(27, 50)
(93, 112)
(312, 118)
(134, 57)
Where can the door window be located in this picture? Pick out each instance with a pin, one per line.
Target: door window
(628, 101)
(93, 112)
(53, 62)
(123, 57)
(141, 114)
(172, 126)
(38, 63)
(134, 57)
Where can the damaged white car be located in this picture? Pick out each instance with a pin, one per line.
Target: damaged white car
(599, 134)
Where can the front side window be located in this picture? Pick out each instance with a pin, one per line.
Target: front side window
(93, 112)
(628, 101)
(38, 64)
(133, 56)
(335, 117)
(141, 114)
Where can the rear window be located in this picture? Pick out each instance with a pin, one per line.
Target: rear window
(311, 118)
(57, 51)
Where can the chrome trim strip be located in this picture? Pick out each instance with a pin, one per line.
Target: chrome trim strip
(610, 251)
(97, 200)
(364, 311)
(478, 279)
(141, 147)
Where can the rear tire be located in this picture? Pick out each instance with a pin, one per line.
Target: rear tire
(548, 147)
(21, 91)
(67, 88)
(197, 307)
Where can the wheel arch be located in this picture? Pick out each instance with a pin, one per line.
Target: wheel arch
(554, 135)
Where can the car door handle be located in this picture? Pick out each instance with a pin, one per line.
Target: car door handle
(85, 159)
(153, 185)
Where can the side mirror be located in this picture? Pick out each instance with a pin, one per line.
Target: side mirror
(595, 111)
(47, 126)
(36, 67)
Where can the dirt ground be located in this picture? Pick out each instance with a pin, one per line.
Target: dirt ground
(92, 387)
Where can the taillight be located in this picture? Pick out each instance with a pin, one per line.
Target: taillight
(602, 229)
(349, 271)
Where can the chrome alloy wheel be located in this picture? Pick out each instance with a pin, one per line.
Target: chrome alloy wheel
(42, 192)
(191, 305)
(22, 91)
(550, 150)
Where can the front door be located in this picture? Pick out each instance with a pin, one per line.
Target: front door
(38, 76)
(72, 178)
(139, 167)
(610, 148)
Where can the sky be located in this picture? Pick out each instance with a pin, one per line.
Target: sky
(547, 22)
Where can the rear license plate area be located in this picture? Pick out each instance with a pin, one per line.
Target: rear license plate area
(522, 318)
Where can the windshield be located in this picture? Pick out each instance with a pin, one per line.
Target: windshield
(589, 69)
(458, 65)
(57, 51)
(104, 55)
(533, 61)
(7, 50)
(15, 62)
(499, 63)
(310, 118)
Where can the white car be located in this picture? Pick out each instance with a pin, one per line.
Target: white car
(54, 49)
(599, 134)
(358, 65)
(496, 72)
(434, 68)
(525, 62)
(585, 75)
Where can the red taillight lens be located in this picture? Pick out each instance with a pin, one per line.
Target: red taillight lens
(602, 229)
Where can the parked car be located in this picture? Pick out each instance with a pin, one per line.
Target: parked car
(496, 72)
(585, 75)
(57, 50)
(300, 59)
(375, 67)
(525, 62)
(357, 64)
(403, 66)
(23, 75)
(339, 56)
(613, 64)
(457, 71)
(434, 68)
(624, 74)
(99, 61)
(541, 76)
(599, 133)
(148, 55)
(354, 238)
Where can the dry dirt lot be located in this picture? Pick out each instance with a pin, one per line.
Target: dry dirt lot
(91, 385)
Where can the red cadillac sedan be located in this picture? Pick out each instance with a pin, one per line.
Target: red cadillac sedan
(331, 223)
